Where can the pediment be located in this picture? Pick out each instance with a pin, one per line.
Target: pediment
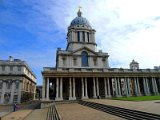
(89, 51)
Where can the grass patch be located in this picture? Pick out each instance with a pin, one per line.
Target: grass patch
(139, 98)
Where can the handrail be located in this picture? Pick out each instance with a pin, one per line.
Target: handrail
(53, 113)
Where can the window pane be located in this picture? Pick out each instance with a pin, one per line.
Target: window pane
(83, 36)
(78, 36)
(88, 36)
(84, 58)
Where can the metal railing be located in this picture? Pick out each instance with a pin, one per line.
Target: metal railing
(53, 113)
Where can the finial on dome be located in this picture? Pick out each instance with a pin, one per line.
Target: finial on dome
(79, 13)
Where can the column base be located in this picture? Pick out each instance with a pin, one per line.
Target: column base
(147, 94)
(108, 96)
(128, 95)
(94, 96)
(118, 95)
(84, 98)
(155, 93)
(139, 95)
(58, 99)
(72, 98)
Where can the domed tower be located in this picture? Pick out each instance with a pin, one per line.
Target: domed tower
(81, 47)
(134, 65)
(80, 34)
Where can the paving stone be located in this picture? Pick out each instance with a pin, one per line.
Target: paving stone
(38, 114)
(76, 111)
(18, 115)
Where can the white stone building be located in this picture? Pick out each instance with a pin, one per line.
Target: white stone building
(81, 72)
(17, 81)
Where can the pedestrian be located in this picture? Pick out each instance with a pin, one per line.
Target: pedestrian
(14, 107)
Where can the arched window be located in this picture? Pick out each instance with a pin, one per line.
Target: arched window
(84, 58)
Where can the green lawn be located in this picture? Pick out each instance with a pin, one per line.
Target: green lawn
(139, 98)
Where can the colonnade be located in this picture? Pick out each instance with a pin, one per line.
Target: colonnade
(112, 87)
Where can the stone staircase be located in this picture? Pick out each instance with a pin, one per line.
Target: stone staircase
(121, 112)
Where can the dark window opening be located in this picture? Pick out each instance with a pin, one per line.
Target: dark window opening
(84, 58)
(88, 36)
(83, 36)
(78, 36)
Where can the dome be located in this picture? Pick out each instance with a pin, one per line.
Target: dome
(79, 20)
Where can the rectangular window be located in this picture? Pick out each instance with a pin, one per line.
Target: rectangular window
(3, 68)
(8, 84)
(83, 36)
(17, 85)
(11, 68)
(95, 61)
(74, 61)
(78, 36)
(19, 68)
(88, 36)
(15, 98)
(64, 61)
(1, 85)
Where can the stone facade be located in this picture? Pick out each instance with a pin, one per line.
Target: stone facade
(17, 81)
(82, 73)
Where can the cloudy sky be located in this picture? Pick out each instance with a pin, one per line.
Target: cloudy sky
(32, 30)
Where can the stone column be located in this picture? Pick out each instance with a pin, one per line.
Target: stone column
(61, 89)
(19, 92)
(156, 89)
(135, 86)
(82, 88)
(57, 89)
(70, 89)
(43, 89)
(147, 87)
(86, 91)
(97, 86)
(116, 87)
(129, 88)
(108, 86)
(47, 94)
(12, 92)
(154, 86)
(3, 91)
(34, 92)
(94, 88)
(126, 88)
(144, 86)
(105, 88)
(74, 96)
(138, 87)
(159, 82)
(119, 87)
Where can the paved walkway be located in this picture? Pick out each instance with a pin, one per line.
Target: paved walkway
(18, 115)
(76, 111)
(146, 106)
(4, 110)
(38, 114)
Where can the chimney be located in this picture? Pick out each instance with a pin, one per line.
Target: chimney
(10, 58)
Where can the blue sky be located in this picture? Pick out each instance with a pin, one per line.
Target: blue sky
(32, 30)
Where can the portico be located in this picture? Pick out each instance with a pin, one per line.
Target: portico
(89, 86)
